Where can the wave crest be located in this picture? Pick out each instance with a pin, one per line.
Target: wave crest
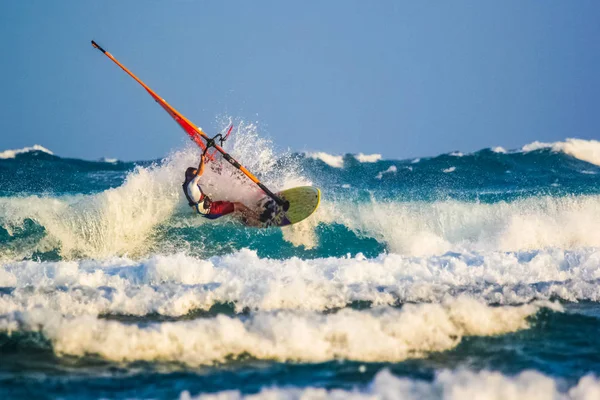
(177, 285)
(423, 228)
(585, 150)
(384, 334)
(7, 154)
(447, 384)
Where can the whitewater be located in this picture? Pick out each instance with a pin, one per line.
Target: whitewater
(459, 275)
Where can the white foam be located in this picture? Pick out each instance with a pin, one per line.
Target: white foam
(175, 285)
(382, 334)
(331, 160)
(533, 146)
(447, 385)
(109, 224)
(6, 154)
(391, 170)
(586, 150)
(122, 220)
(499, 150)
(448, 170)
(456, 154)
(338, 161)
(421, 228)
(367, 158)
(109, 160)
(116, 221)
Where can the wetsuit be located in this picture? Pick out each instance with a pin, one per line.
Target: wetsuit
(202, 203)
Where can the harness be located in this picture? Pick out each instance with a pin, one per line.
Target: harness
(203, 198)
(210, 142)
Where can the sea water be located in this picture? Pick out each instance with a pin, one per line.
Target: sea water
(450, 276)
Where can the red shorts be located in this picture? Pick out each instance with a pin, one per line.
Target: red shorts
(220, 208)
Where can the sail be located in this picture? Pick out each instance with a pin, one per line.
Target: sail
(194, 132)
(187, 126)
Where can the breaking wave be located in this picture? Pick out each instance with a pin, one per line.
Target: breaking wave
(123, 220)
(429, 228)
(134, 218)
(447, 384)
(178, 285)
(6, 154)
(337, 161)
(380, 334)
(102, 264)
(586, 150)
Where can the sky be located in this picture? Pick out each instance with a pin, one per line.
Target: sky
(399, 78)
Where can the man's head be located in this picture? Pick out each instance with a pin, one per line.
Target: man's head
(190, 173)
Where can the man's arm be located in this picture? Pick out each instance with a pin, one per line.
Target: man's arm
(200, 169)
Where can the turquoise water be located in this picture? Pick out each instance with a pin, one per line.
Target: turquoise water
(455, 274)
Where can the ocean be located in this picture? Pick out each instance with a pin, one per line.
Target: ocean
(453, 276)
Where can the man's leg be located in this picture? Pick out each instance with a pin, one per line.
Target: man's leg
(250, 217)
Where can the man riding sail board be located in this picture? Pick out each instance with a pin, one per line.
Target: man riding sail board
(274, 212)
(204, 206)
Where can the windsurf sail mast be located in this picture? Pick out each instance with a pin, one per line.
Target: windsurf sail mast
(195, 133)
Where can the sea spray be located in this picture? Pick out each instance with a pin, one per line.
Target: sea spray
(123, 220)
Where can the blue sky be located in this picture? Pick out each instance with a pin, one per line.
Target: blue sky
(399, 78)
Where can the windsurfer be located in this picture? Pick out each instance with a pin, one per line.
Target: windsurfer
(213, 209)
